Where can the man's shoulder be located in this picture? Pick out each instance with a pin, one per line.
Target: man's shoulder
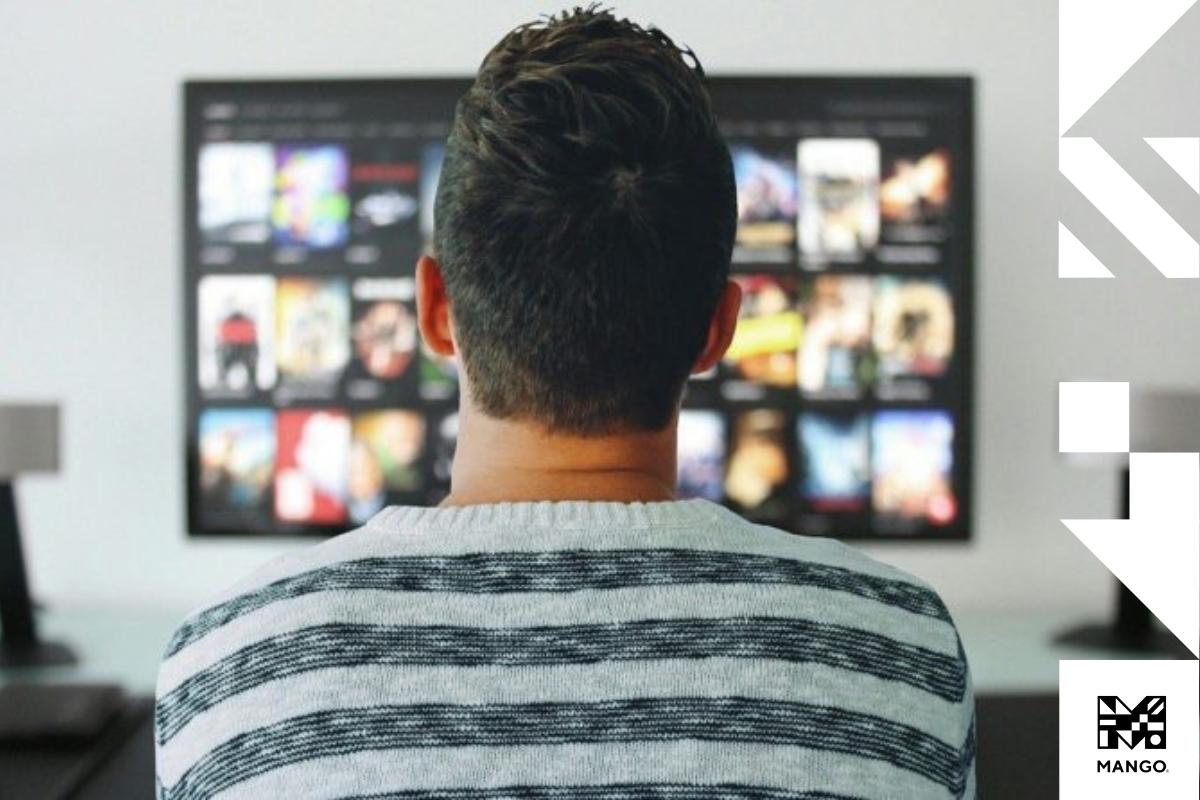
(731, 551)
(219, 646)
(831, 556)
(842, 582)
(297, 572)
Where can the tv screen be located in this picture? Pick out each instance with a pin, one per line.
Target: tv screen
(843, 407)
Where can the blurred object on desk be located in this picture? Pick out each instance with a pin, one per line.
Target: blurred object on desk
(29, 442)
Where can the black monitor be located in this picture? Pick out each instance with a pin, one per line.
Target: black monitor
(842, 409)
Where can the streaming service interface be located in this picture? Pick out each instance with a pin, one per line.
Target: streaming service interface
(842, 407)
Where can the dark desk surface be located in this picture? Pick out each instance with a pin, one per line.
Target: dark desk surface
(120, 764)
(113, 646)
(1018, 746)
(129, 774)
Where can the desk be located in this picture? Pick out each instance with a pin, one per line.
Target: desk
(121, 647)
(1014, 652)
(1013, 659)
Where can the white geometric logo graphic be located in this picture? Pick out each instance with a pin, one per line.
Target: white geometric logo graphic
(1099, 40)
(1114, 739)
(1182, 154)
(1143, 725)
(1075, 260)
(1156, 552)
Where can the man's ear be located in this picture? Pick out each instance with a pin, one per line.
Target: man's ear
(720, 328)
(433, 308)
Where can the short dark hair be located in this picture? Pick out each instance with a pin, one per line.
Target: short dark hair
(584, 220)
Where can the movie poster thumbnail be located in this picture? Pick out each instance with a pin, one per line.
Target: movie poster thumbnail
(913, 336)
(768, 333)
(766, 204)
(836, 362)
(838, 218)
(385, 461)
(756, 474)
(385, 207)
(311, 477)
(237, 461)
(914, 196)
(385, 343)
(836, 473)
(234, 187)
(912, 458)
(311, 202)
(235, 335)
(312, 332)
(701, 455)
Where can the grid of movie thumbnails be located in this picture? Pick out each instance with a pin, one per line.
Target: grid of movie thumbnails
(315, 405)
(835, 410)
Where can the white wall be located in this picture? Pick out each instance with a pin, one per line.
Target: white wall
(90, 257)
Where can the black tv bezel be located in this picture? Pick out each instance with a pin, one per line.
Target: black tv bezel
(959, 89)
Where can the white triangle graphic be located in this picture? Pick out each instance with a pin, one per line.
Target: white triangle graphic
(1156, 552)
(1075, 260)
(1098, 40)
(1182, 154)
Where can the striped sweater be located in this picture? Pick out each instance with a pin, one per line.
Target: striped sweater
(600, 651)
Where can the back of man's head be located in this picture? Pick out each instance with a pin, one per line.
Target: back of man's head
(584, 221)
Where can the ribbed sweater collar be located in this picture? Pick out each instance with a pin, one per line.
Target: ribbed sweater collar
(561, 514)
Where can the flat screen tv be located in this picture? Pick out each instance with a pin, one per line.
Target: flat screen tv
(842, 409)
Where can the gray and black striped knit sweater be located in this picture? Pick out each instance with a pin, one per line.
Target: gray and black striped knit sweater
(601, 651)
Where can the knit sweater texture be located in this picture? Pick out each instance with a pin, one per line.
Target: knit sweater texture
(555, 650)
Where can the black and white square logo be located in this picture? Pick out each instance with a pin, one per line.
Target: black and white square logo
(1144, 725)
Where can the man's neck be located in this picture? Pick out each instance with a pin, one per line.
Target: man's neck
(508, 461)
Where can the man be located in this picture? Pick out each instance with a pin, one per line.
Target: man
(562, 627)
